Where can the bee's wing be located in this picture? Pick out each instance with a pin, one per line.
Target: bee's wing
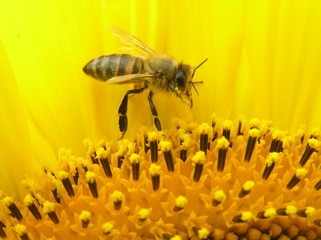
(130, 78)
(131, 42)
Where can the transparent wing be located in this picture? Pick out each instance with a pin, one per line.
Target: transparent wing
(131, 78)
(131, 42)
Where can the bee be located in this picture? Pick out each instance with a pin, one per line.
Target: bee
(147, 71)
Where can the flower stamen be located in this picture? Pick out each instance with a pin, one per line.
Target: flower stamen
(15, 212)
(277, 144)
(287, 211)
(227, 125)
(29, 202)
(166, 147)
(312, 146)
(154, 171)
(92, 184)
(267, 214)
(2, 232)
(102, 155)
(107, 227)
(222, 145)
(299, 175)
(66, 183)
(152, 139)
(180, 203)
(49, 209)
(204, 130)
(246, 189)
(135, 161)
(117, 198)
(219, 196)
(244, 217)
(85, 218)
(272, 158)
(185, 141)
(198, 159)
(22, 231)
(253, 135)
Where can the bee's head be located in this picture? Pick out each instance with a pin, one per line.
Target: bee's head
(183, 82)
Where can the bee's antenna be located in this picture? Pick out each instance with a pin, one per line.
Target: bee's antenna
(194, 88)
(197, 68)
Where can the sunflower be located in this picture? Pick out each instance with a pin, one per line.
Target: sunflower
(250, 171)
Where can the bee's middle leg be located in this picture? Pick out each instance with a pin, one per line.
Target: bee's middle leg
(122, 110)
(154, 111)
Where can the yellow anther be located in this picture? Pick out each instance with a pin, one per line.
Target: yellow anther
(101, 153)
(134, 158)
(72, 168)
(204, 128)
(300, 133)
(123, 146)
(20, 229)
(30, 185)
(290, 210)
(144, 213)
(40, 198)
(314, 143)
(90, 146)
(272, 158)
(85, 216)
(270, 213)
(90, 177)
(152, 136)
(254, 132)
(117, 196)
(48, 207)
(315, 132)
(186, 140)
(63, 174)
(300, 173)
(223, 143)
(28, 200)
(255, 123)
(165, 146)
(227, 124)
(310, 211)
(278, 134)
(203, 233)
(107, 227)
(154, 169)
(84, 162)
(7, 201)
(176, 237)
(181, 201)
(199, 157)
(219, 196)
(247, 216)
(248, 186)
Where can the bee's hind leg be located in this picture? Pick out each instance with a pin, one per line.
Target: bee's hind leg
(154, 111)
(122, 110)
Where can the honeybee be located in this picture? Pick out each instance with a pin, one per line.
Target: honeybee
(147, 71)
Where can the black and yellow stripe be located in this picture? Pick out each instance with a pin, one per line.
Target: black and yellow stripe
(107, 67)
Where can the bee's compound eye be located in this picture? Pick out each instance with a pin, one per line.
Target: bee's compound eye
(180, 79)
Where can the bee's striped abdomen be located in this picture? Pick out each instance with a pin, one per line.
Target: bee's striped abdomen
(106, 67)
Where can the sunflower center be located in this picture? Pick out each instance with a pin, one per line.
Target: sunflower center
(218, 180)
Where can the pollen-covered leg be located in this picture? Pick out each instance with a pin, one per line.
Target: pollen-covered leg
(122, 110)
(154, 111)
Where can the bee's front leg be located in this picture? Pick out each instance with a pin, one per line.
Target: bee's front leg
(154, 111)
(122, 110)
